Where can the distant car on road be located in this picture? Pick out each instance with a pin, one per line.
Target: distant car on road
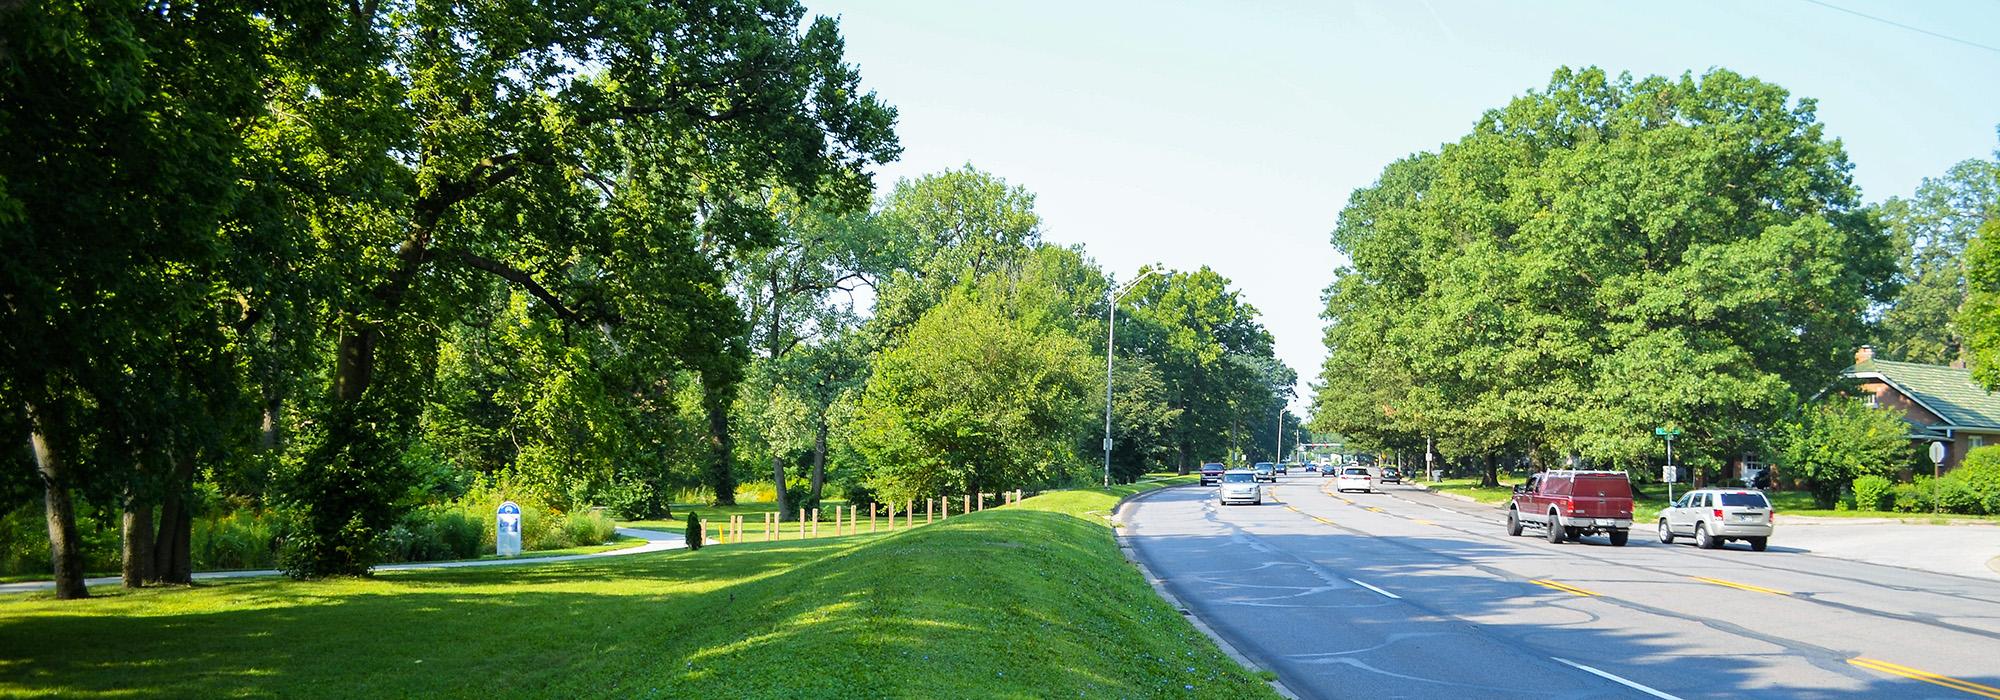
(1354, 479)
(1715, 516)
(1312, 467)
(1392, 475)
(1569, 504)
(1265, 471)
(1211, 473)
(1240, 486)
(1284, 468)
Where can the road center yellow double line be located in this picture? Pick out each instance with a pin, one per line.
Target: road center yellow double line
(1739, 586)
(1879, 665)
(1564, 587)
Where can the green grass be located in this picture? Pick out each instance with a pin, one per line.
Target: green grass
(1028, 601)
(1469, 487)
(617, 542)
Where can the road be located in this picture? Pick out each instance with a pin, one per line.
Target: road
(1405, 593)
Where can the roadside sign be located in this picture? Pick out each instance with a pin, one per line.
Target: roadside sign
(1671, 473)
(1107, 444)
(1937, 453)
(507, 530)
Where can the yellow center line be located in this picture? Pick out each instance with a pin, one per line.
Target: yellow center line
(1421, 521)
(1739, 586)
(1572, 590)
(1926, 676)
(1373, 508)
(1322, 521)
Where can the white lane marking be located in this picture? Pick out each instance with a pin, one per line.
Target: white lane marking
(1615, 679)
(1363, 584)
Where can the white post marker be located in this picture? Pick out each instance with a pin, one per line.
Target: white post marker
(507, 530)
(1937, 473)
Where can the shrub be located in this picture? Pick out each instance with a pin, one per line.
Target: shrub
(240, 539)
(1912, 497)
(587, 527)
(1871, 492)
(695, 535)
(860, 496)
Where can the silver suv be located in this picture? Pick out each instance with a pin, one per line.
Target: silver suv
(1715, 516)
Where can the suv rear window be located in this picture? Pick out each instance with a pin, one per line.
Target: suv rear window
(1745, 500)
(1356, 471)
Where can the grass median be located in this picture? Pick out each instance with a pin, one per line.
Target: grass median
(1029, 600)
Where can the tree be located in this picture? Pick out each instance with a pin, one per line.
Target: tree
(120, 132)
(1600, 258)
(1980, 317)
(1212, 354)
(943, 230)
(595, 158)
(1832, 442)
(1143, 422)
(1932, 230)
(972, 400)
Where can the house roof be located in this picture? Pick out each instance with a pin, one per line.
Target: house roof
(1948, 392)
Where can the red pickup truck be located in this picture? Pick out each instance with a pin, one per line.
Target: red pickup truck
(1569, 504)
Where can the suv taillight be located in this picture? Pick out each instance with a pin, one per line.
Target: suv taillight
(1718, 512)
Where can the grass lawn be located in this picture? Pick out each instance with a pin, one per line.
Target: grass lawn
(1032, 600)
(617, 542)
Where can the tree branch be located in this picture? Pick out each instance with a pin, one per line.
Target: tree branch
(521, 279)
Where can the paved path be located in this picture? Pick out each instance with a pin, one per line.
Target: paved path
(656, 541)
(1410, 594)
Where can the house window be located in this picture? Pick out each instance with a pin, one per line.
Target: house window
(1975, 441)
(1874, 400)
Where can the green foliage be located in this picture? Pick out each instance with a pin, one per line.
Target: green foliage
(1872, 492)
(970, 401)
(1932, 231)
(1834, 442)
(1979, 319)
(1214, 360)
(695, 536)
(1596, 259)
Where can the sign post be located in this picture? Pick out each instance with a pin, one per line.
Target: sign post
(507, 530)
(1937, 471)
(1669, 473)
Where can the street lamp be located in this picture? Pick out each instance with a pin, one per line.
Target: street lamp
(1110, 336)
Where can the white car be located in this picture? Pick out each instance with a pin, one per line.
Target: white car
(1240, 486)
(1354, 479)
(1715, 516)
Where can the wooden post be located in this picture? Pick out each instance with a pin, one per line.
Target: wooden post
(874, 509)
(815, 522)
(982, 501)
(967, 503)
(802, 523)
(928, 503)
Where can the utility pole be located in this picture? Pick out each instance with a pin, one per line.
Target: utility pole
(1110, 337)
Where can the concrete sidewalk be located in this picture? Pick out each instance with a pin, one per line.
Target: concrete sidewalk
(1965, 550)
(656, 541)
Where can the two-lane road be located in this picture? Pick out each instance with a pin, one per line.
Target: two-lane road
(1405, 593)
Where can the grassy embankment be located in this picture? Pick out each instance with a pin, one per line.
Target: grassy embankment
(1646, 508)
(1030, 600)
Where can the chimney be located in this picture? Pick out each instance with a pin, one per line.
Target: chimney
(1864, 354)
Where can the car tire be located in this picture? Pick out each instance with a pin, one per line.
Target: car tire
(1556, 532)
(1757, 544)
(1704, 540)
(1618, 537)
(1513, 523)
(1666, 533)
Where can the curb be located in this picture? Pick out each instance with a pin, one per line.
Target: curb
(1447, 494)
(1160, 588)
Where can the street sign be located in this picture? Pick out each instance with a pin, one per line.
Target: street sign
(1671, 473)
(1107, 444)
(1666, 432)
(1937, 453)
(507, 530)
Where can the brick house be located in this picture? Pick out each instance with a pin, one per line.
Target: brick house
(1941, 403)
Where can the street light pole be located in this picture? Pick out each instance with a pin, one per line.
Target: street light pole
(1110, 338)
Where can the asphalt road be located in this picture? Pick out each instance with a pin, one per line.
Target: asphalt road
(1404, 593)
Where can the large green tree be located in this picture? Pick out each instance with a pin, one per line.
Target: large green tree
(1599, 258)
(1931, 230)
(1829, 443)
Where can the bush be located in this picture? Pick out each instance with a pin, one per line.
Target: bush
(587, 527)
(1871, 492)
(695, 534)
(1913, 497)
(241, 539)
(860, 496)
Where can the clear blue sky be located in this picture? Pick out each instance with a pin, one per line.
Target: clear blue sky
(1229, 134)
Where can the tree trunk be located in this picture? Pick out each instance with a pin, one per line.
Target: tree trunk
(172, 560)
(1491, 477)
(721, 447)
(819, 459)
(65, 554)
(778, 477)
(274, 405)
(354, 361)
(137, 532)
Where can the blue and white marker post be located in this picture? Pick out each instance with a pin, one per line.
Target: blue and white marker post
(507, 530)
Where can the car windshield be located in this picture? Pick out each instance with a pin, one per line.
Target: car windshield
(1236, 479)
(1745, 500)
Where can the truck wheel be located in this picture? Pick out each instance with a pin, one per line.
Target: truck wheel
(1757, 544)
(1704, 540)
(1666, 533)
(1573, 534)
(1618, 537)
(1513, 523)
(1556, 530)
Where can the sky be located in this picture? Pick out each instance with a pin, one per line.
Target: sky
(1230, 134)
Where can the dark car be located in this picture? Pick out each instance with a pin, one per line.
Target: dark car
(1211, 473)
(1392, 475)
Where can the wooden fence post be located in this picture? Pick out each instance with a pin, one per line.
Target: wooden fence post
(928, 503)
(982, 501)
(965, 504)
(815, 522)
(874, 509)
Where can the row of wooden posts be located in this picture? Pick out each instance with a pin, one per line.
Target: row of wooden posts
(847, 519)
